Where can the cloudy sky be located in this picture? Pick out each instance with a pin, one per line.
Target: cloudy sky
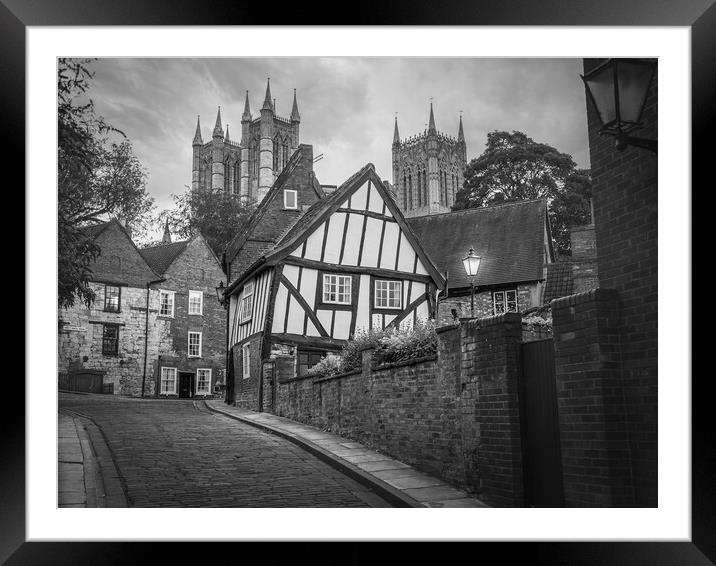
(347, 105)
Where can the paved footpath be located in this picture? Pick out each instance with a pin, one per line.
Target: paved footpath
(394, 480)
(178, 453)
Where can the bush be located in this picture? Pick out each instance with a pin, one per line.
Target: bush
(391, 345)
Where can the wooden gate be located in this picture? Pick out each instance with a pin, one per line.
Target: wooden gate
(542, 459)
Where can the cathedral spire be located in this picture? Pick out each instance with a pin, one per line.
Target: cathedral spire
(396, 135)
(167, 237)
(246, 116)
(218, 131)
(295, 116)
(460, 133)
(226, 138)
(268, 105)
(431, 124)
(197, 135)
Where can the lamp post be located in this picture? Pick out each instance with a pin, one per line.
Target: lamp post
(618, 89)
(221, 297)
(471, 262)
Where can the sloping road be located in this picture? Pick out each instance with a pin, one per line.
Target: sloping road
(176, 453)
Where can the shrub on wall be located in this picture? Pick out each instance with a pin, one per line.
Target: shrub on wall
(391, 344)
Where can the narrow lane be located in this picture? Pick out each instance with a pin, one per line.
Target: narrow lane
(176, 453)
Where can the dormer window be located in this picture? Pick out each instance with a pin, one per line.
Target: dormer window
(290, 199)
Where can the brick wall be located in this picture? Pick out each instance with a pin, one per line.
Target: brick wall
(454, 416)
(590, 396)
(624, 189)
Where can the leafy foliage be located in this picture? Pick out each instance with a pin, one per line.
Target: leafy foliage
(514, 167)
(97, 178)
(218, 215)
(391, 344)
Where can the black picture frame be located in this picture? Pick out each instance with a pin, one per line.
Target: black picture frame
(698, 15)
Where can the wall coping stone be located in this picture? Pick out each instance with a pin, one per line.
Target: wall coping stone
(447, 328)
(338, 375)
(295, 378)
(494, 320)
(589, 296)
(402, 363)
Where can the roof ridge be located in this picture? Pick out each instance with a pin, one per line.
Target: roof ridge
(163, 244)
(474, 208)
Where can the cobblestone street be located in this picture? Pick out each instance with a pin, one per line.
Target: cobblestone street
(179, 454)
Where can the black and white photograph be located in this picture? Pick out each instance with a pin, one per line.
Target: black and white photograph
(298, 285)
(351, 282)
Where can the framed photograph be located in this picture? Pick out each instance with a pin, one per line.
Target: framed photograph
(386, 123)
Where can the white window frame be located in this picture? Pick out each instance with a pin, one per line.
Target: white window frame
(327, 281)
(208, 381)
(168, 294)
(188, 344)
(246, 361)
(194, 294)
(504, 301)
(247, 298)
(286, 192)
(162, 390)
(387, 290)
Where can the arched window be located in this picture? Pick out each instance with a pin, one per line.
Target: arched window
(410, 187)
(420, 186)
(426, 192)
(285, 154)
(236, 177)
(405, 191)
(227, 176)
(276, 156)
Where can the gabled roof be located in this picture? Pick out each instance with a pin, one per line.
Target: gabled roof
(320, 210)
(509, 237)
(96, 229)
(270, 236)
(162, 256)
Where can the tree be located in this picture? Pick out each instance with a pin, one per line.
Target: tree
(98, 177)
(218, 215)
(514, 167)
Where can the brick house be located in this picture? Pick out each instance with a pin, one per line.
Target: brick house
(108, 337)
(515, 243)
(191, 354)
(318, 267)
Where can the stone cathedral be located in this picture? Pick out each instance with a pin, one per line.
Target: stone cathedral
(247, 167)
(428, 169)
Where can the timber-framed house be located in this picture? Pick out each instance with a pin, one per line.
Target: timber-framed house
(347, 262)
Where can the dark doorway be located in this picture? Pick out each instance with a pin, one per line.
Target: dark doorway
(539, 421)
(186, 385)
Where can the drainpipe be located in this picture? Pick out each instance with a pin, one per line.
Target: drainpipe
(146, 334)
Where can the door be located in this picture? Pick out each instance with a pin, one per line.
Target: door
(186, 385)
(539, 420)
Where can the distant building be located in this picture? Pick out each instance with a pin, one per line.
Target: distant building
(428, 169)
(247, 166)
(515, 243)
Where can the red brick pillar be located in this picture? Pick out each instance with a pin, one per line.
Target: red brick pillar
(490, 406)
(590, 397)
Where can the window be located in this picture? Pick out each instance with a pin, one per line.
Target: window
(337, 289)
(246, 360)
(194, 344)
(110, 339)
(203, 381)
(166, 303)
(247, 302)
(504, 301)
(111, 298)
(196, 302)
(388, 294)
(168, 382)
(290, 198)
(306, 360)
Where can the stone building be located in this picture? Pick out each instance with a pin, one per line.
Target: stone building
(155, 326)
(109, 336)
(248, 166)
(191, 351)
(428, 169)
(515, 243)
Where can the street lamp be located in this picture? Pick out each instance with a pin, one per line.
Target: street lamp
(471, 262)
(618, 89)
(220, 293)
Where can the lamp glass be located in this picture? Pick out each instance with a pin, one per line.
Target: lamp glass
(601, 86)
(633, 80)
(471, 263)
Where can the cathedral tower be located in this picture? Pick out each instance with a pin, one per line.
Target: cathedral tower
(249, 166)
(428, 169)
